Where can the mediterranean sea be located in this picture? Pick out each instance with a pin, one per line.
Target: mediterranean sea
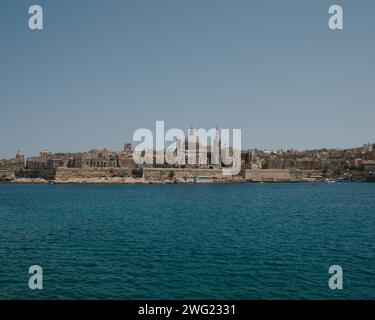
(232, 241)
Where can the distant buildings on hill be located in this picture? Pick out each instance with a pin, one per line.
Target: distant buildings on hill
(357, 163)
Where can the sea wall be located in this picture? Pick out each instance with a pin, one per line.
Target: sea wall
(180, 173)
(259, 175)
(82, 173)
(302, 174)
(363, 176)
(48, 174)
(282, 175)
(7, 174)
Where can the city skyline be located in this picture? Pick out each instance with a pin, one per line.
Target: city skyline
(125, 146)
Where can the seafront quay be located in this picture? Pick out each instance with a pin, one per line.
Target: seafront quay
(105, 166)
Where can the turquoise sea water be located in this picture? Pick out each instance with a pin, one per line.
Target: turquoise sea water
(243, 241)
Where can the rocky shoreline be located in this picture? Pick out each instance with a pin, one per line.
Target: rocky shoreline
(125, 181)
(111, 180)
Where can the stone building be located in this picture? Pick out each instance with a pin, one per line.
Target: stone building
(100, 159)
(35, 163)
(15, 164)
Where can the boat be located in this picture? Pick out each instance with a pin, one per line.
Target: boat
(330, 181)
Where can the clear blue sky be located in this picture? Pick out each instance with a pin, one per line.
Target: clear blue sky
(102, 69)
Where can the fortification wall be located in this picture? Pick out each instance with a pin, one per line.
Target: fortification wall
(269, 175)
(48, 174)
(77, 173)
(7, 174)
(308, 174)
(181, 173)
